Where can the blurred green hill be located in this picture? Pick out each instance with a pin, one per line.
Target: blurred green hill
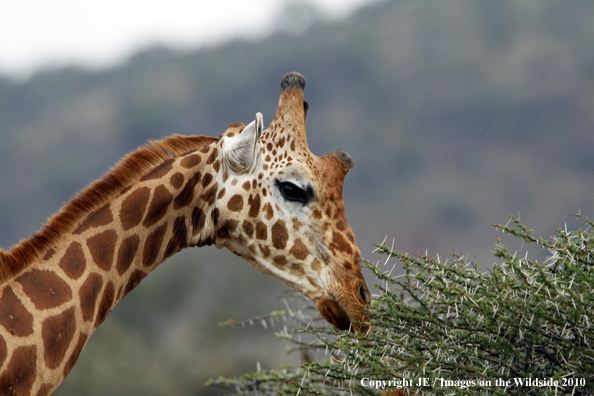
(456, 113)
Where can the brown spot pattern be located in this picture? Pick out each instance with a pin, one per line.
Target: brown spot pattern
(261, 231)
(248, 228)
(210, 194)
(212, 157)
(265, 249)
(133, 207)
(3, 351)
(222, 193)
(214, 215)
(19, 376)
(57, 333)
(198, 219)
(254, 204)
(158, 207)
(296, 224)
(235, 204)
(49, 254)
(14, 317)
(185, 196)
(268, 211)
(106, 303)
(246, 185)
(45, 288)
(340, 244)
(228, 227)
(279, 235)
(126, 253)
(73, 261)
(348, 266)
(45, 390)
(315, 265)
(279, 261)
(191, 161)
(351, 236)
(159, 171)
(177, 180)
(102, 247)
(152, 245)
(297, 270)
(299, 250)
(80, 344)
(180, 236)
(206, 180)
(98, 218)
(88, 293)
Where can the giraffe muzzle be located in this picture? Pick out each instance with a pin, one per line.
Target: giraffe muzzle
(346, 312)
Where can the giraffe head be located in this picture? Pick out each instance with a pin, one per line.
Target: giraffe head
(282, 210)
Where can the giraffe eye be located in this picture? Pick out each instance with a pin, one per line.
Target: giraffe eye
(292, 192)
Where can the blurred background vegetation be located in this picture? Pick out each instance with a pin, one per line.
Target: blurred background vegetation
(457, 114)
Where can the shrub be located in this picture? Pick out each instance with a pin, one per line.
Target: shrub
(453, 329)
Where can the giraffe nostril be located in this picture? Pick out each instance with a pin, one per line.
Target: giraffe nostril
(363, 294)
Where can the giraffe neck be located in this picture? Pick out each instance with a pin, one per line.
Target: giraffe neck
(50, 308)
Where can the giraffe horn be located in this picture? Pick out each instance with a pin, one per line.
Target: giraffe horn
(291, 111)
(292, 79)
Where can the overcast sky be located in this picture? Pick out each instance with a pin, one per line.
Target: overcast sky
(37, 33)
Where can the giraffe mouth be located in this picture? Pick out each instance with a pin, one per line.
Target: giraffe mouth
(333, 313)
(336, 315)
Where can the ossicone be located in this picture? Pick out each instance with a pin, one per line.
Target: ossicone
(292, 79)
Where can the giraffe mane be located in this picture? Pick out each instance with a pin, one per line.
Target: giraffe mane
(122, 175)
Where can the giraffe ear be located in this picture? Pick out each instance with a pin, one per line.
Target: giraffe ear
(240, 152)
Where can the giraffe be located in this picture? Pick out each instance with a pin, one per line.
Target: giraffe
(260, 193)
